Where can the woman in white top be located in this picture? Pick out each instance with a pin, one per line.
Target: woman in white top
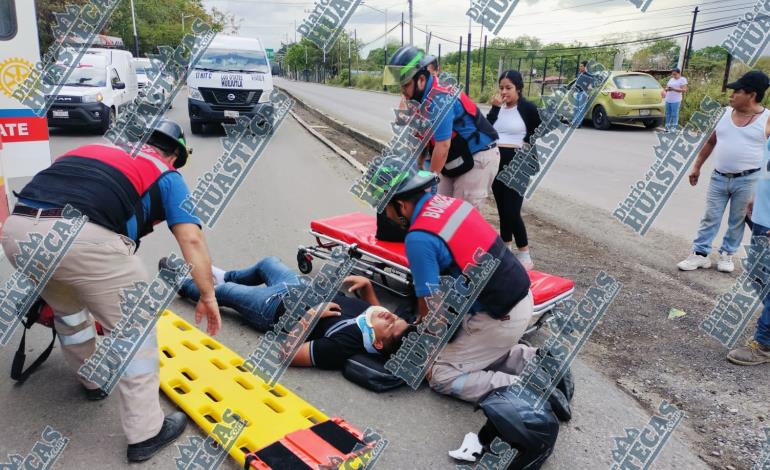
(736, 148)
(515, 120)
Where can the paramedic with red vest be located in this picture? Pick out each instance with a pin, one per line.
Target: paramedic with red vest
(123, 197)
(443, 233)
(463, 131)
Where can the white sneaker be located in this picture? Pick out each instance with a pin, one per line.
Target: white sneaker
(470, 450)
(725, 264)
(694, 261)
(525, 259)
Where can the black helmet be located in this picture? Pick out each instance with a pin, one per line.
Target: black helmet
(531, 432)
(169, 136)
(406, 62)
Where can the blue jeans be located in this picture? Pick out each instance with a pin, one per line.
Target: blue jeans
(672, 116)
(240, 291)
(763, 324)
(738, 192)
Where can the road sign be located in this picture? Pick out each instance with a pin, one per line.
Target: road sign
(269, 53)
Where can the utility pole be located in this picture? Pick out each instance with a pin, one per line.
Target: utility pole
(402, 29)
(295, 31)
(468, 66)
(692, 37)
(350, 65)
(136, 37)
(411, 25)
(355, 41)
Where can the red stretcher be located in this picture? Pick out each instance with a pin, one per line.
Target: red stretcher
(385, 263)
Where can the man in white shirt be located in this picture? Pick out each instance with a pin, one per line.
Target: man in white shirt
(738, 145)
(675, 88)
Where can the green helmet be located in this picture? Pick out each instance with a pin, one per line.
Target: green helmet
(405, 182)
(406, 62)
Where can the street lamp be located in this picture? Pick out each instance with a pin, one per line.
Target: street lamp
(136, 37)
(183, 17)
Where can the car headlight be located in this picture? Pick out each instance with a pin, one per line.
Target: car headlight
(265, 96)
(194, 94)
(97, 98)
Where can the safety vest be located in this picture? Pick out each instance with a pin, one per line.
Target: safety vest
(464, 230)
(480, 122)
(105, 183)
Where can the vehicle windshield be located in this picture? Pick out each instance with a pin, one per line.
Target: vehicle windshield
(626, 82)
(221, 60)
(140, 71)
(83, 76)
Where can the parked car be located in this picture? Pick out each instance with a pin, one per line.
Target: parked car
(627, 97)
(96, 92)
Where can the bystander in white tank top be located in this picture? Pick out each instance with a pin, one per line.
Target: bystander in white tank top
(510, 127)
(739, 148)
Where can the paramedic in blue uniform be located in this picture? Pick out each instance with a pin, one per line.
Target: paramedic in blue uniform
(442, 231)
(464, 128)
(123, 197)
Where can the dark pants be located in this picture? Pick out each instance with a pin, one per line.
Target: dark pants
(244, 292)
(509, 205)
(763, 324)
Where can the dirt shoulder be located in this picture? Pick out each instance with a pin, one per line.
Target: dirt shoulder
(647, 355)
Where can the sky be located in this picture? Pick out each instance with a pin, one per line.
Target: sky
(589, 21)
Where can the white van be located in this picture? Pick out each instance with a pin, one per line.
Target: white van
(231, 79)
(143, 80)
(96, 91)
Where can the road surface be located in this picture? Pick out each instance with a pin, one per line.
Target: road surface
(296, 180)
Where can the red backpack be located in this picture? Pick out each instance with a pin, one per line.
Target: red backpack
(42, 313)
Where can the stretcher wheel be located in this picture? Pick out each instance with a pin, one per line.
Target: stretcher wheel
(303, 262)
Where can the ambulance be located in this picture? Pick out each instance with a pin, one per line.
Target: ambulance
(25, 150)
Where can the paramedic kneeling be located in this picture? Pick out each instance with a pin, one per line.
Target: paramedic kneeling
(443, 235)
(123, 198)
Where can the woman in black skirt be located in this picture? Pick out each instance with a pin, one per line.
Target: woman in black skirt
(515, 120)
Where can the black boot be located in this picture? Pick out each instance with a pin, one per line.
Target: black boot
(95, 394)
(173, 427)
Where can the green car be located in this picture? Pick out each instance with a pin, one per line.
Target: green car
(628, 97)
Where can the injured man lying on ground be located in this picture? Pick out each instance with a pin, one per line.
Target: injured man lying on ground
(348, 326)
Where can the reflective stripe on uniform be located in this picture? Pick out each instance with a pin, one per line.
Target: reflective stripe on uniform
(458, 384)
(158, 164)
(457, 218)
(73, 319)
(78, 338)
(142, 366)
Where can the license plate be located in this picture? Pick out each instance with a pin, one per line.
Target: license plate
(61, 114)
(644, 112)
(232, 114)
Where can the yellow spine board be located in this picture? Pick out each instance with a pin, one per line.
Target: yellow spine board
(204, 378)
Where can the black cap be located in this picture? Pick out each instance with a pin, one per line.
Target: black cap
(751, 81)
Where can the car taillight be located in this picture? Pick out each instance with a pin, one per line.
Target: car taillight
(617, 95)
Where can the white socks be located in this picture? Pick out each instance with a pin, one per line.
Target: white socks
(470, 450)
(219, 275)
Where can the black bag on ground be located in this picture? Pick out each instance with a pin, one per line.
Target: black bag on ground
(368, 371)
(532, 432)
(33, 316)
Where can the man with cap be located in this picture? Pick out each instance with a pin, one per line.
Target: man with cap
(123, 197)
(675, 88)
(442, 232)
(470, 166)
(738, 145)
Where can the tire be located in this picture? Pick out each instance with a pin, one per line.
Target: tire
(653, 123)
(303, 263)
(196, 127)
(599, 118)
(106, 124)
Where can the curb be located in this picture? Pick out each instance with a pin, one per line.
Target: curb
(360, 136)
(356, 164)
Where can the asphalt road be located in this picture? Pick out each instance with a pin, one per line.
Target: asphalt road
(596, 168)
(296, 179)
